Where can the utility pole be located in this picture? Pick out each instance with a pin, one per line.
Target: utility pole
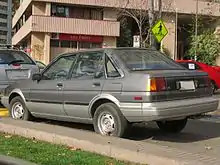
(160, 9)
(9, 22)
(151, 21)
(176, 35)
(196, 29)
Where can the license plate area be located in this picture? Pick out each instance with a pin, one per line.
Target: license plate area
(186, 85)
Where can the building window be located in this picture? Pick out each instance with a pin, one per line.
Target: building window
(96, 45)
(88, 45)
(63, 43)
(2, 41)
(76, 12)
(54, 43)
(3, 16)
(3, 8)
(60, 11)
(4, 33)
(84, 45)
(2, 24)
(74, 44)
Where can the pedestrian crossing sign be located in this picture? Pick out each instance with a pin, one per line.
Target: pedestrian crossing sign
(159, 30)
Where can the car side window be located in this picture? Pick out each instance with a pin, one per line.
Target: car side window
(89, 65)
(111, 71)
(59, 70)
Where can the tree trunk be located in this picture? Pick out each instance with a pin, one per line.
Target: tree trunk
(141, 40)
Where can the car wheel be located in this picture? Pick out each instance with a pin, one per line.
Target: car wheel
(174, 126)
(18, 109)
(108, 120)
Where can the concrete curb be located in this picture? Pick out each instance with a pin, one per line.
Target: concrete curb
(107, 150)
(7, 160)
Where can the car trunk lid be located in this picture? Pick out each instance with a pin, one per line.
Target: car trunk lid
(180, 84)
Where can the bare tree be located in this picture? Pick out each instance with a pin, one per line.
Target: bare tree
(137, 10)
(142, 11)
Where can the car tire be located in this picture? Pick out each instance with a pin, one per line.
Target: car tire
(108, 120)
(18, 109)
(174, 126)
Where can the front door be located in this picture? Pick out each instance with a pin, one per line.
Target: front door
(85, 82)
(46, 94)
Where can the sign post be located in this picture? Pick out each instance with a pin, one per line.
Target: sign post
(159, 30)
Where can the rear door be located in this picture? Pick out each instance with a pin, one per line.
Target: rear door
(16, 65)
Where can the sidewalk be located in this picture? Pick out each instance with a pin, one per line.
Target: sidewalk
(122, 149)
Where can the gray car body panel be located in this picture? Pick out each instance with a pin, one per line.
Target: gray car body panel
(75, 100)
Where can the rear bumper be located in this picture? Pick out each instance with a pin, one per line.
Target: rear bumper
(168, 110)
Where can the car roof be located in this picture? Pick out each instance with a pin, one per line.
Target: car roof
(186, 61)
(107, 49)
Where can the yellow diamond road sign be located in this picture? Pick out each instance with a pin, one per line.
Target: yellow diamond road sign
(159, 30)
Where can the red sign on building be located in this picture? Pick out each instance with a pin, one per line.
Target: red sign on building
(84, 38)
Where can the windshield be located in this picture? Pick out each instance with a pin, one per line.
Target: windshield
(146, 60)
(10, 57)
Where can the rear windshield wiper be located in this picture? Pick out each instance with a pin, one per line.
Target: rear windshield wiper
(15, 61)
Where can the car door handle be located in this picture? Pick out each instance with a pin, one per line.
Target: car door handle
(96, 84)
(59, 85)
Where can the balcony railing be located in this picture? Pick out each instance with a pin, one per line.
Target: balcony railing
(67, 25)
(75, 26)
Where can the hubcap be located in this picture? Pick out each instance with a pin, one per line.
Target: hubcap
(106, 124)
(17, 111)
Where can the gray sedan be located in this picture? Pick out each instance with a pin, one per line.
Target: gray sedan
(111, 89)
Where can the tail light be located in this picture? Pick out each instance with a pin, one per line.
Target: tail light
(156, 84)
(16, 66)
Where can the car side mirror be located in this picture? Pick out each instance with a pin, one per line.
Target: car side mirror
(36, 76)
(41, 67)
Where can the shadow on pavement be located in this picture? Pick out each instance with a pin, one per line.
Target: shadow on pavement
(86, 127)
(195, 131)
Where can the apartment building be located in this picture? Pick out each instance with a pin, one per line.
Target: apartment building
(3, 21)
(50, 27)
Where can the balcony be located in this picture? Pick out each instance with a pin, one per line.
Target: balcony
(75, 26)
(67, 25)
(22, 32)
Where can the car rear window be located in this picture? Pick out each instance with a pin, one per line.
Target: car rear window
(146, 60)
(7, 57)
